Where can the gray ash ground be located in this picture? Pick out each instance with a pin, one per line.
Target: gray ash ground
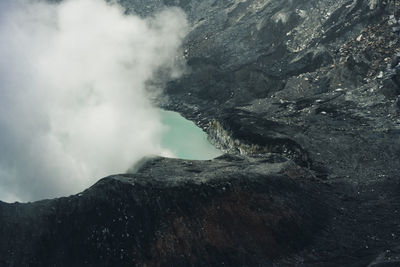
(304, 96)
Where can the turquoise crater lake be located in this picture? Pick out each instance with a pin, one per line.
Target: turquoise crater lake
(184, 139)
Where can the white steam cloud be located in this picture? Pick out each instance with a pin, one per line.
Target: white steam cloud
(73, 104)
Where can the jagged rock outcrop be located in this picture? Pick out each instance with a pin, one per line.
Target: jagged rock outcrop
(305, 96)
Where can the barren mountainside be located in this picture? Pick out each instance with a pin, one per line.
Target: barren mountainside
(304, 98)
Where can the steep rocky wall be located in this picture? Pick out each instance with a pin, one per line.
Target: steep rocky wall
(309, 77)
(308, 92)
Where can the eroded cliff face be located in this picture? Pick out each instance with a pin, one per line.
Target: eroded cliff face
(297, 76)
(304, 96)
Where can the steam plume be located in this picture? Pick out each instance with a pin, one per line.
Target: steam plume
(73, 104)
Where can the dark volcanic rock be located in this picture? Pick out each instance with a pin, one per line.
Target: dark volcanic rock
(314, 81)
(312, 86)
(233, 210)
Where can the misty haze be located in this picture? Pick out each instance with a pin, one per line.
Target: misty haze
(73, 102)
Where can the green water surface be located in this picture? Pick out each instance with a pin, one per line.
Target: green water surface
(183, 138)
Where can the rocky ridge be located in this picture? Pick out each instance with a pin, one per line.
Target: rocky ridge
(304, 96)
(207, 213)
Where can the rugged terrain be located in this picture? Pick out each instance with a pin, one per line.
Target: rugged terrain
(303, 95)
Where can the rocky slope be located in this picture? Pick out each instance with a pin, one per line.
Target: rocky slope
(304, 96)
(233, 210)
